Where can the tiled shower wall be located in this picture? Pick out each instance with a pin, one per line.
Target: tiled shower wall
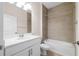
(44, 22)
(61, 22)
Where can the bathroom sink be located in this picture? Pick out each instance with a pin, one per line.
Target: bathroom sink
(17, 40)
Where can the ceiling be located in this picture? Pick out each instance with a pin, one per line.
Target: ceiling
(27, 6)
(51, 4)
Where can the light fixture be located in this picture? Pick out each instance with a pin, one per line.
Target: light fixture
(20, 4)
(11, 2)
(27, 7)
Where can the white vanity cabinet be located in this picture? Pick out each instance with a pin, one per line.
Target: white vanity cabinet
(32, 51)
(26, 48)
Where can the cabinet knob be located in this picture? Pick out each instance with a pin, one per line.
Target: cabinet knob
(31, 52)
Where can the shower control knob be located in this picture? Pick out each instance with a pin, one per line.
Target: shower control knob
(77, 42)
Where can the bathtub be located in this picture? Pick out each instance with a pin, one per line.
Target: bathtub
(64, 48)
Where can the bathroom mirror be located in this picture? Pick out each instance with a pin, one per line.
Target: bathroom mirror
(22, 16)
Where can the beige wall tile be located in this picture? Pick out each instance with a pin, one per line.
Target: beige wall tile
(61, 22)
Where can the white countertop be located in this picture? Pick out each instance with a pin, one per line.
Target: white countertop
(17, 40)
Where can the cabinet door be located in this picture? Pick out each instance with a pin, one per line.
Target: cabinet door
(23, 53)
(36, 50)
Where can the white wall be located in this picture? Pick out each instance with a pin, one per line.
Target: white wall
(1, 28)
(37, 18)
(77, 27)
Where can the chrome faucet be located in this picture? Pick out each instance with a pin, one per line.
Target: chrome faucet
(21, 35)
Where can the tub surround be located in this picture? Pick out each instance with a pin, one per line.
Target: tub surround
(58, 22)
(44, 23)
(61, 22)
(61, 27)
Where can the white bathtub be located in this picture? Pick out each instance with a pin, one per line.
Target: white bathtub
(65, 48)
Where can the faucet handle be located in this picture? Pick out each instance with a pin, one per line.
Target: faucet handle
(16, 32)
(21, 35)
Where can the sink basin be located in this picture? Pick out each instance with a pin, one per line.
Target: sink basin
(17, 40)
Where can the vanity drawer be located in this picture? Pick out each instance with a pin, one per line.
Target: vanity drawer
(11, 50)
(24, 52)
